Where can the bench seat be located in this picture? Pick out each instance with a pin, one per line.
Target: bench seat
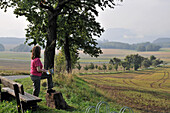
(26, 97)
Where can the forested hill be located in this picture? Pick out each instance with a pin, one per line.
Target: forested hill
(163, 42)
(139, 47)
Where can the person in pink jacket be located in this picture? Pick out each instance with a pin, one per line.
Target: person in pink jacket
(37, 72)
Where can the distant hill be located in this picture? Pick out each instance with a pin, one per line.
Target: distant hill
(147, 46)
(21, 48)
(163, 42)
(125, 36)
(11, 40)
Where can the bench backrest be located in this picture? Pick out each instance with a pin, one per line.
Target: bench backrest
(9, 83)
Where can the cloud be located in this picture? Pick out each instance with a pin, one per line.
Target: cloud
(133, 36)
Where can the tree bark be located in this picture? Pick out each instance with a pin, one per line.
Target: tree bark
(67, 54)
(49, 52)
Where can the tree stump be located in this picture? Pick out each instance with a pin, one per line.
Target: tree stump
(56, 100)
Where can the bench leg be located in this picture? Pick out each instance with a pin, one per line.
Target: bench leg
(5, 96)
(16, 90)
(28, 106)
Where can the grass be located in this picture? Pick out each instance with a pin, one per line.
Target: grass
(8, 107)
(77, 93)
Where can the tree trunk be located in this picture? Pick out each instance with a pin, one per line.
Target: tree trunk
(49, 52)
(67, 54)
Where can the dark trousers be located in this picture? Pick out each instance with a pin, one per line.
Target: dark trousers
(37, 81)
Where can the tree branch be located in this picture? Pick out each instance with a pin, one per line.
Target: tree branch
(50, 8)
(61, 5)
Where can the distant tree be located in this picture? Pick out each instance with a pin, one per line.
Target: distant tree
(96, 66)
(152, 47)
(110, 67)
(99, 68)
(115, 67)
(152, 57)
(156, 62)
(2, 48)
(115, 62)
(146, 63)
(125, 65)
(134, 60)
(86, 68)
(91, 66)
(137, 61)
(21, 48)
(104, 67)
(141, 48)
(78, 66)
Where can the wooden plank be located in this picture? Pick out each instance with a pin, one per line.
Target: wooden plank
(9, 83)
(26, 97)
(32, 96)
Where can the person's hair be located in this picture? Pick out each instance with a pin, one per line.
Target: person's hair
(36, 51)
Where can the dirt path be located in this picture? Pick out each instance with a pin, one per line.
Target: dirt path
(16, 77)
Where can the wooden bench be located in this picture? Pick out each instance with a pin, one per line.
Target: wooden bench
(24, 100)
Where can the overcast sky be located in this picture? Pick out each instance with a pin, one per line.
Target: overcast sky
(145, 17)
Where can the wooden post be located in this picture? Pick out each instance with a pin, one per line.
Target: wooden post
(16, 90)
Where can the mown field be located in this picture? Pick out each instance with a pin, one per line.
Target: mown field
(144, 90)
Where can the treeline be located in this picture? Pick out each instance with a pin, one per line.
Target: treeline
(147, 46)
(133, 61)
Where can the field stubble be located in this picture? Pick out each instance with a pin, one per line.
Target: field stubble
(147, 91)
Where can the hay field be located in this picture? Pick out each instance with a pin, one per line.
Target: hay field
(163, 54)
(15, 61)
(145, 91)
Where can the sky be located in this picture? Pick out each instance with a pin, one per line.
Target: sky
(143, 17)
